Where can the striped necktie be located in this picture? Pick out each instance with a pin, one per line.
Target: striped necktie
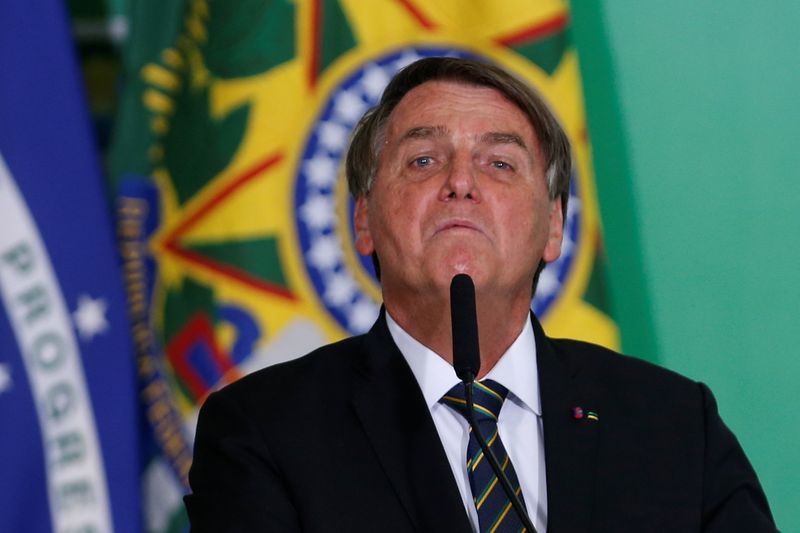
(495, 513)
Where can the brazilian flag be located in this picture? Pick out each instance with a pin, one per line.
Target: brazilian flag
(233, 214)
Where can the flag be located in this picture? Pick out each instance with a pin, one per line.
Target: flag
(227, 161)
(68, 410)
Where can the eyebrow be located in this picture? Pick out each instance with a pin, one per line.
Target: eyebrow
(491, 138)
(495, 137)
(424, 132)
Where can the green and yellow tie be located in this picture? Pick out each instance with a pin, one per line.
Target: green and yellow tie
(495, 514)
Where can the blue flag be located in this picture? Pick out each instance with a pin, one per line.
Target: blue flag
(69, 452)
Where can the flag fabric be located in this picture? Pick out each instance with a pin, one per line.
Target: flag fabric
(227, 161)
(69, 453)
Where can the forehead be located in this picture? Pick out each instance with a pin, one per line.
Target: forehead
(442, 103)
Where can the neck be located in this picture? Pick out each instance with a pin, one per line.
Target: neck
(426, 317)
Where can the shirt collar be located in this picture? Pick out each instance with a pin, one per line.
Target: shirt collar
(434, 375)
(516, 370)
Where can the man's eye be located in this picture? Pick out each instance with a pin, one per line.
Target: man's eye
(502, 165)
(423, 161)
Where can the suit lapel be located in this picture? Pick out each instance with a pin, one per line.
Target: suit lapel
(570, 438)
(398, 424)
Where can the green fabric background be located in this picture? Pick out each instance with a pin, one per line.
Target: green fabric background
(693, 110)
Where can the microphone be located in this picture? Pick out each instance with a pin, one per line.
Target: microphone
(466, 354)
(467, 363)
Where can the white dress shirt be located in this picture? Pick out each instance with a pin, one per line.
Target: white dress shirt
(519, 423)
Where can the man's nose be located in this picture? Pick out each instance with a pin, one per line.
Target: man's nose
(461, 180)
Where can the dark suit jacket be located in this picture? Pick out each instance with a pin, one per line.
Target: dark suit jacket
(341, 440)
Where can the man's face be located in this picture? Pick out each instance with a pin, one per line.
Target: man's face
(460, 187)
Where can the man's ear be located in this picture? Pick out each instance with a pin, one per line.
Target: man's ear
(364, 243)
(552, 249)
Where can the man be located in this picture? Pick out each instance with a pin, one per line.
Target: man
(461, 168)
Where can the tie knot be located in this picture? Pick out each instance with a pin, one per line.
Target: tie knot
(487, 396)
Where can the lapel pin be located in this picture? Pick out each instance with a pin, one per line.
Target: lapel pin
(578, 414)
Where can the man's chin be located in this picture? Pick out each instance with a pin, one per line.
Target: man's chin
(477, 274)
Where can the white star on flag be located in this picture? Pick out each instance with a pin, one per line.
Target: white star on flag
(318, 212)
(325, 252)
(361, 316)
(90, 317)
(321, 171)
(5, 378)
(333, 136)
(374, 81)
(348, 106)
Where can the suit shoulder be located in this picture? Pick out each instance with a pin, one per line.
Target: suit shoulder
(632, 389)
(310, 373)
(603, 364)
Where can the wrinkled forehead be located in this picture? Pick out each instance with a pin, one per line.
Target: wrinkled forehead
(428, 110)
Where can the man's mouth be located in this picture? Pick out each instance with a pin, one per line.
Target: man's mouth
(452, 224)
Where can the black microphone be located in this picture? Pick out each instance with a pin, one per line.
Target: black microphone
(466, 354)
(467, 363)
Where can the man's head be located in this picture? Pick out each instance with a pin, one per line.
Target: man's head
(367, 143)
(460, 168)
